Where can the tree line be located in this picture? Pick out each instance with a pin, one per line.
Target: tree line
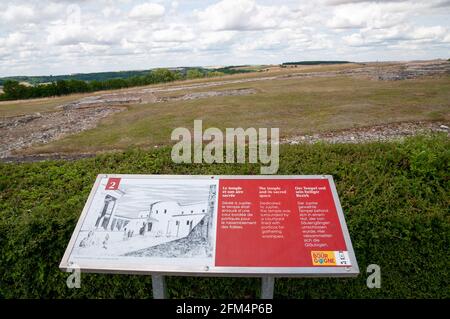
(99, 76)
(14, 90)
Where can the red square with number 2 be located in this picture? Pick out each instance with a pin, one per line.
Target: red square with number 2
(112, 184)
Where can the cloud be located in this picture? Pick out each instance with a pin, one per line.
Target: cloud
(16, 45)
(402, 34)
(18, 14)
(68, 35)
(13, 40)
(147, 11)
(428, 3)
(174, 33)
(339, 2)
(110, 11)
(440, 3)
(369, 15)
(430, 34)
(244, 15)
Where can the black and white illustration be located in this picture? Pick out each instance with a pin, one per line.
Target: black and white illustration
(150, 218)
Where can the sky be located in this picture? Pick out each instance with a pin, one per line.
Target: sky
(51, 37)
(139, 194)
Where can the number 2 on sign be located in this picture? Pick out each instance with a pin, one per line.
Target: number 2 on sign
(112, 184)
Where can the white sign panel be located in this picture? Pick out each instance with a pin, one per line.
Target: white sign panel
(214, 225)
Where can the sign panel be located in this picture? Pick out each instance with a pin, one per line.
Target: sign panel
(216, 225)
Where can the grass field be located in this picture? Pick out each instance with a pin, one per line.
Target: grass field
(296, 106)
(394, 196)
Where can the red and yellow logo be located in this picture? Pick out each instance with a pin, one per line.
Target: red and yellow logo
(323, 258)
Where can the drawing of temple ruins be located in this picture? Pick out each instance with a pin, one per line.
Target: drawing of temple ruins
(166, 229)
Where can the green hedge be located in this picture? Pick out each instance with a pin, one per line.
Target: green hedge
(394, 195)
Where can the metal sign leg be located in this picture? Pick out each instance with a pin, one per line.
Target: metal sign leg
(267, 287)
(159, 287)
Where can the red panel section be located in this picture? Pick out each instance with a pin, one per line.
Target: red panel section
(112, 184)
(275, 223)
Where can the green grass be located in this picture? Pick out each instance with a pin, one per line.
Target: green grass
(394, 195)
(23, 107)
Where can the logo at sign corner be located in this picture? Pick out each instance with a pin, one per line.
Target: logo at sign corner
(112, 184)
(323, 258)
(330, 258)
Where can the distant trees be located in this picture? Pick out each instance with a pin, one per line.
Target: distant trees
(201, 73)
(88, 77)
(194, 74)
(163, 75)
(233, 69)
(63, 85)
(13, 90)
(214, 74)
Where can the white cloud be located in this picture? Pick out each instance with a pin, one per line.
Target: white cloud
(68, 35)
(244, 15)
(339, 2)
(12, 40)
(18, 14)
(430, 33)
(428, 3)
(174, 33)
(174, 5)
(147, 11)
(215, 40)
(111, 11)
(369, 15)
(401, 34)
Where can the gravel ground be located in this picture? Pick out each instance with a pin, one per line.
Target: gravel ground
(20, 132)
(385, 132)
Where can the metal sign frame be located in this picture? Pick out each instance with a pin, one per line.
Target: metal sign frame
(154, 269)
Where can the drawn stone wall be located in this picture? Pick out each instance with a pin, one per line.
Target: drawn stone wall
(199, 243)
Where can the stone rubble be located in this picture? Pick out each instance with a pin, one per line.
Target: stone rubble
(385, 132)
(202, 95)
(40, 128)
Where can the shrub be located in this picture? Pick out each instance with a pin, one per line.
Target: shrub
(394, 196)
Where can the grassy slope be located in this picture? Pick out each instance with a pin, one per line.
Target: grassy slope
(394, 195)
(296, 106)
